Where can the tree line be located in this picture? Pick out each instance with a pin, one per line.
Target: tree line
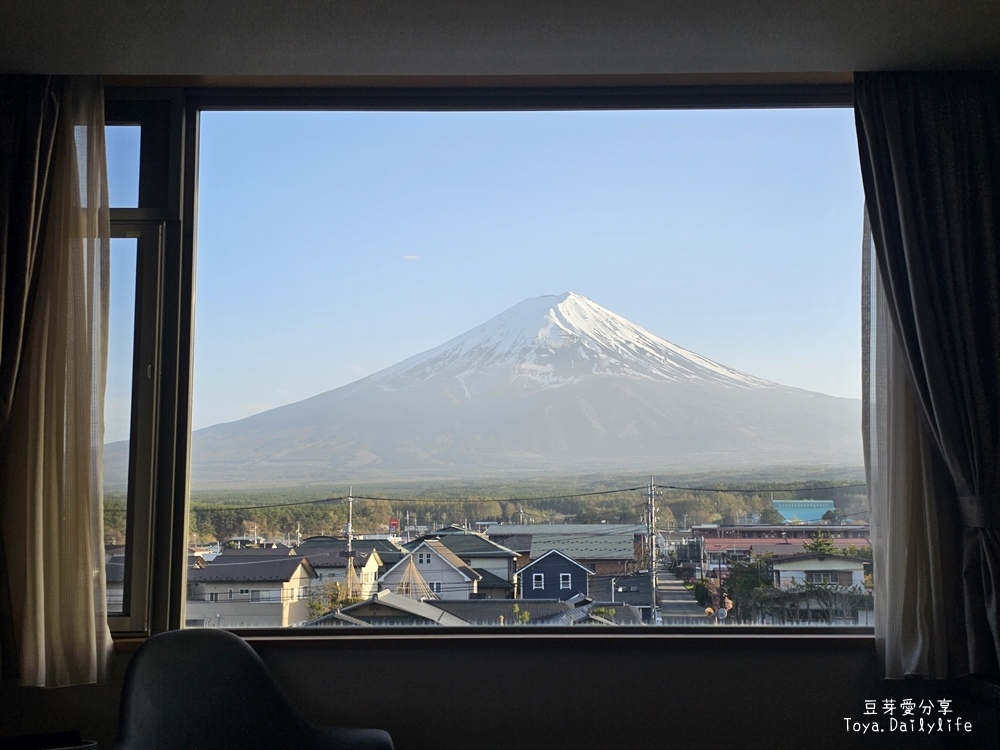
(285, 513)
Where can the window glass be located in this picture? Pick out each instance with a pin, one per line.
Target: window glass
(118, 415)
(122, 146)
(628, 336)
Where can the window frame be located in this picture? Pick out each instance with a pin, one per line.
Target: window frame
(143, 418)
(175, 116)
(156, 551)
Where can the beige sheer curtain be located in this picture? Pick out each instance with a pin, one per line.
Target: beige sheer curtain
(913, 554)
(51, 483)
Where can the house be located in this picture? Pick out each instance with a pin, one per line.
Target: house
(389, 551)
(388, 608)
(255, 591)
(506, 612)
(554, 575)
(114, 576)
(634, 591)
(332, 567)
(495, 563)
(726, 52)
(607, 549)
(786, 547)
(860, 531)
(432, 565)
(832, 589)
(819, 569)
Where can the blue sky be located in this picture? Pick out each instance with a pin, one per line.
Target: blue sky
(331, 245)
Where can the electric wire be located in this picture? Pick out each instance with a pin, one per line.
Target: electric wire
(567, 496)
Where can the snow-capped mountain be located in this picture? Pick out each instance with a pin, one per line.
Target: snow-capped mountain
(556, 341)
(554, 384)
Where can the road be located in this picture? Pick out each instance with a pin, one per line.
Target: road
(675, 601)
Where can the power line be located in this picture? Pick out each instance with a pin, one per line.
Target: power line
(215, 508)
(504, 499)
(567, 496)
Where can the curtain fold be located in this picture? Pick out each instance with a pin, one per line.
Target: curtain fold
(930, 160)
(56, 245)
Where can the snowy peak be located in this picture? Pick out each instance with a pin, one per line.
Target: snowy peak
(552, 341)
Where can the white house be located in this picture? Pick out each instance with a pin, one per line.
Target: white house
(819, 568)
(838, 595)
(443, 572)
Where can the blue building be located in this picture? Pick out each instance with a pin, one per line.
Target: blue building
(806, 511)
(554, 576)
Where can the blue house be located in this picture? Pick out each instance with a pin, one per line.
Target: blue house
(553, 576)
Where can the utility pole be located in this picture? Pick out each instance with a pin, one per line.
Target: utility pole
(349, 552)
(350, 522)
(651, 519)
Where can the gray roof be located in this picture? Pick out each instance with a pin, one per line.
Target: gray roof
(269, 569)
(789, 547)
(585, 546)
(336, 560)
(492, 581)
(568, 528)
(232, 554)
(389, 552)
(419, 609)
(450, 557)
(625, 614)
(581, 541)
(489, 611)
(517, 542)
(636, 590)
(336, 618)
(466, 545)
(834, 559)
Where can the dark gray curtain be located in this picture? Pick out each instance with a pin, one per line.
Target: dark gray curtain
(930, 161)
(29, 108)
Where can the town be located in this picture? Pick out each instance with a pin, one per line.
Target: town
(814, 569)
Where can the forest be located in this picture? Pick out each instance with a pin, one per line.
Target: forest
(286, 513)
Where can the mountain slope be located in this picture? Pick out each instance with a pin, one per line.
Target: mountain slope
(553, 383)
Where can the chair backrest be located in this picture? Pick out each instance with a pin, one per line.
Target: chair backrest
(207, 688)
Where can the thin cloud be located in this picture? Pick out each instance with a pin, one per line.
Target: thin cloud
(411, 257)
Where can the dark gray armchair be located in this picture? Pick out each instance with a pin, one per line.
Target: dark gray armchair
(189, 689)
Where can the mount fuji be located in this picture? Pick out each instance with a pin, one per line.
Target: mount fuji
(555, 383)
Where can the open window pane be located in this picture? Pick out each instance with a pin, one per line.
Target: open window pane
(433, 347)
(130, 419)
(118, 414)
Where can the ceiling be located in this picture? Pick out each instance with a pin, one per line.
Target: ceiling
(649, 40)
